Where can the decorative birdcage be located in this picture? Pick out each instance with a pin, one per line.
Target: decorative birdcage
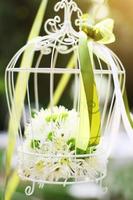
(48, 130)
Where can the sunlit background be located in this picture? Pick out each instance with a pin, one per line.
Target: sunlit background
(16, 18)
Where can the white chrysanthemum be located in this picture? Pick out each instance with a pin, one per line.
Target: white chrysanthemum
(60, 122)
(38, 128)
(69, 126)
(51, 136)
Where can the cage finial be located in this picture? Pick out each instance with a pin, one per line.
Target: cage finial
(55, 26)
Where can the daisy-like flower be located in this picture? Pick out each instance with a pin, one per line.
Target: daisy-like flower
(58, 124)
(50, 151)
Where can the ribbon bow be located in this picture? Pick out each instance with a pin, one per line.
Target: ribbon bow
(90, 119)
(101, 32)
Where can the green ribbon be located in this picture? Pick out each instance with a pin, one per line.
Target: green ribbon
(90, 120)
(101, 32)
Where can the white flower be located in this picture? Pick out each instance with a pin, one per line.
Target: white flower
(49, 149)
(59, 123)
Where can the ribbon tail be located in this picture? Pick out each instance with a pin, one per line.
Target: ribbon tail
(89, 127)
(83, 135)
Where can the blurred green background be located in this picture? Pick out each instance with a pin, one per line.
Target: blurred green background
(16, 18)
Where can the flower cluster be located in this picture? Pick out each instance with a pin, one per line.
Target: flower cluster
(51, 136)
(56, 127)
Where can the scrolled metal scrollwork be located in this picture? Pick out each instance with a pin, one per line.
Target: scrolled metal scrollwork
(64, 32)
(29, 190)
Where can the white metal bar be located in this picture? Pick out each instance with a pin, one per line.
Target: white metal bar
(60, 70)
(28, 153)
(66, 183)
(36, 82)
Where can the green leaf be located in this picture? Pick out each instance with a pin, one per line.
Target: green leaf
(71, 143)
(90, 120)
(11, 185)
(50, 136)
(35, 144)
(20, 89)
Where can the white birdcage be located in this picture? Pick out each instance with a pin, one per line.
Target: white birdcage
(40, 159)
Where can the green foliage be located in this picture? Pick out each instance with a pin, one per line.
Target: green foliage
(2, 86)
(56, 117)
(1, 159)
(35, 144)
(120, 179)
(71, 143)
(50, 136)
(11, 186)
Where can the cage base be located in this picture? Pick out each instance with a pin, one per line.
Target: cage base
(29, 190)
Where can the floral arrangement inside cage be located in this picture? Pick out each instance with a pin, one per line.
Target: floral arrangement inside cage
(63, 144)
